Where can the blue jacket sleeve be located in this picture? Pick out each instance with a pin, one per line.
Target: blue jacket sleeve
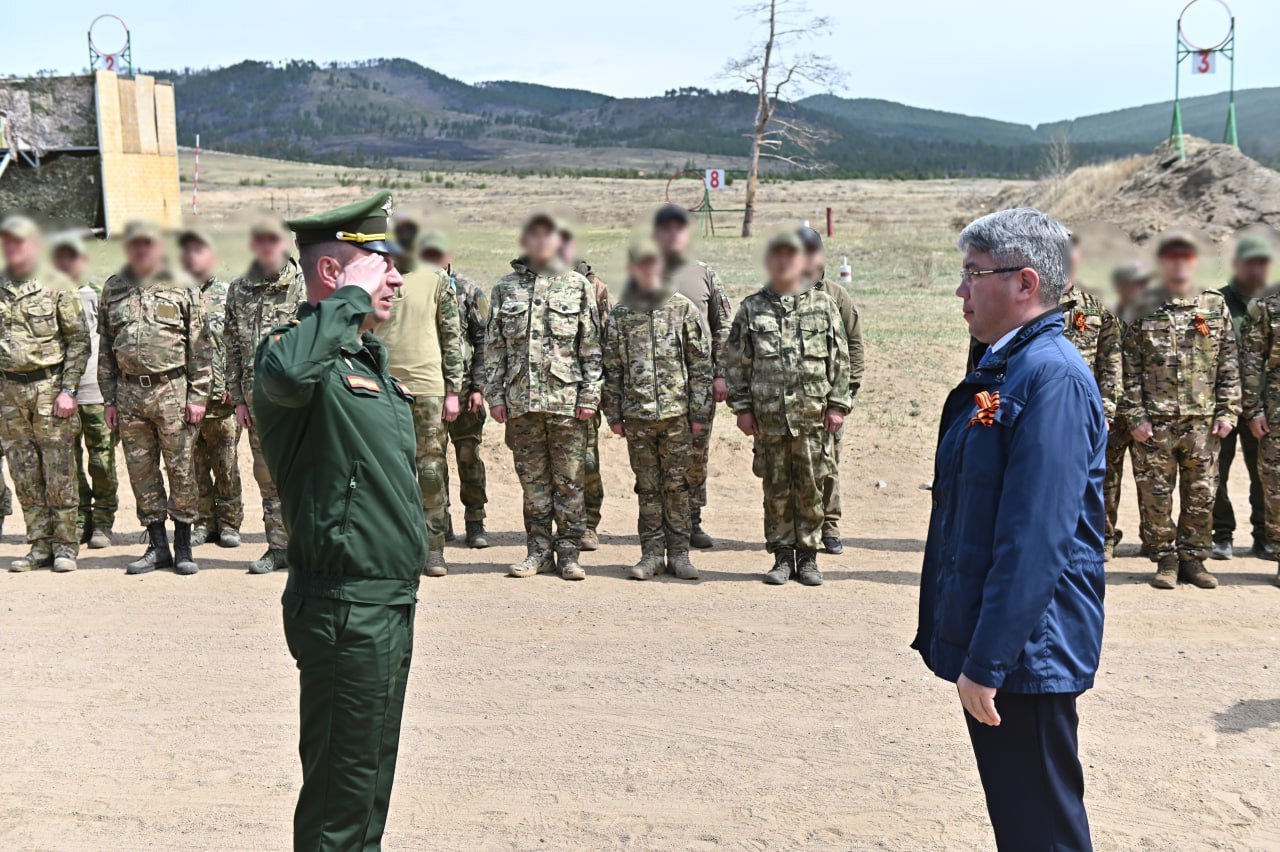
(291, 363)
(1037, 520)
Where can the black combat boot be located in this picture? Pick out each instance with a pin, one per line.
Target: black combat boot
(784, 562)
(157, 555)
(185, 564)
(807, 573)
(698, 537)
(476, 537)
(449, 536)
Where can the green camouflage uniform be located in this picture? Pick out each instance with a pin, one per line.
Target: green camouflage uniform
(657, 381)
(256, 303)
(787, 363)
(1180, 374)
(1119, 444)
(543, 362)
(593, 484)
(1095, 333)
(1224, 515)
(96, 465)
(217, 465)
(44, 346)
(852, 325)
(467, 432)
(1260, 377)
(155, 359)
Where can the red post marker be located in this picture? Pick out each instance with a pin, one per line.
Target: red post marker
(831, 219)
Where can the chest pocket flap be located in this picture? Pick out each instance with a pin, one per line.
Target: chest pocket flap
(765, 335)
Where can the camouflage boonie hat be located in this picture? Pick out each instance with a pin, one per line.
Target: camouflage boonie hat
(269, 226)
(642, 250)
(362, 223)
(69, 241)
(141, 229)
(1254, 248)
(1175, 238)
(436, 241)
(195, 235)
(1131, 273)
(20, 227)
(784, 239)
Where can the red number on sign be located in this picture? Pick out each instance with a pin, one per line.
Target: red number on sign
(715, 180)
(110, 62)
(1204, 62)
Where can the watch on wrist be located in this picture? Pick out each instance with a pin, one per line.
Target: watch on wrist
(71, 393)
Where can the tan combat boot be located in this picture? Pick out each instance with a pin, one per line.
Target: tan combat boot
(570, 568)
(678, 562)
(64, 560)
(436, 566)
(538, 561)
(649, 566)
(590, 540)
(1192, 571)
(40, 556)
(1166, 572)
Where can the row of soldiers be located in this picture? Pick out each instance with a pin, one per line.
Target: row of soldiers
(1187, 376)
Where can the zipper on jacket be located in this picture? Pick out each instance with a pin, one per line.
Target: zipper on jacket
(653, 355)
(351, 493)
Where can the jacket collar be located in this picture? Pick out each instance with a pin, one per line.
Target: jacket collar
(1048, 323)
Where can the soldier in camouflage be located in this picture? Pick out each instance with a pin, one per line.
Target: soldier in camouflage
(1181, 398)
(787, 365)
(155, 369)
(593, 486)
(657, 394)
(542, 380)
(466, 432)
(1260, 377)
(44, 346)
(264, 297)
(217, 465)
(697, 282)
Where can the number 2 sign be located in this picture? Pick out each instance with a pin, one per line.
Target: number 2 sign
(715, 178)
(1204, 62)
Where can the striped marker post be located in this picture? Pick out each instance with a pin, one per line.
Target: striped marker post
(195, 192)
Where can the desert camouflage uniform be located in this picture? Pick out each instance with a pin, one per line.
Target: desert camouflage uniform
(593, 483)
(44, 346)
(852, 325)
(543, 362)
(657, 381)
(1180, 374)
(1260, 375)
(257, 303)
(217, 465)
(467, 432)
(787, 363)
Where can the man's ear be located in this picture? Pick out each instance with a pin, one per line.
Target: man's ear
(1029, 284)
(328, 270)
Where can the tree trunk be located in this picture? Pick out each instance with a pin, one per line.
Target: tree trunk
(753, 182)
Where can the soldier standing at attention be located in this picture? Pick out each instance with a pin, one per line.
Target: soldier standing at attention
(1251, 269)
(593, 484)
(337, 432)
(1181, 398)
(264, 297)
(816, 272)
(155, 368)
(657, 394)
(217, 466)
(467, 431)
(788, 370)
(542, 380)
(99, 490)
(1260, 377)
(424, 353)
(697, 282)
(44, 346)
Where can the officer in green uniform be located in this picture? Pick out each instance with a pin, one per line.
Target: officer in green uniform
(337, 435)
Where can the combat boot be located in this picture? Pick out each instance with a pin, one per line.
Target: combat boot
(538, 561)
(832, 544)
(157, 555)
(200, 534)
(100, 539)
(272, 560)
(784, 560)
(38, 557)
(64, 561)
(807, 573)
(1192, 571)
(1222, 550)
(228, 538)
(649, 566)
(184, 563)
(86, 530)
(1166, 572)
(681, 567)
(449, 536)
(590, 540)
(476, 538)
(436, 566)
(570, 567)
(698, 536)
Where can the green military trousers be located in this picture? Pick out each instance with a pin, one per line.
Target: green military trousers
(831, 491)
(794, 469)
(353, 663)
(467, 433)
(592, 482)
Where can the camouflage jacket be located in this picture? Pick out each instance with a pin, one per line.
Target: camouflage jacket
(42, 325)
(1095, 333)
(153, 326)
(852, 329)
(697, 282)
(1180, 360)
(215, 292)
(473, 317)
(657, 360)
(1260, 358)
(602, 289)
(787, 361)
(257, 303)
(542, 349)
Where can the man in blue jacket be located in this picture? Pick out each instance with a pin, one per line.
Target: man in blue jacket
(1012, 585)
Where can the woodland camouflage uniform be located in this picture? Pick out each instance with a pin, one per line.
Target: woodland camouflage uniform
(593, 484)
(1239, 307)
(217, 466)
(1260, 374)
(467, 432)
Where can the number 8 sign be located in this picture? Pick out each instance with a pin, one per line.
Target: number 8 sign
(715, 178)
(1204, 62)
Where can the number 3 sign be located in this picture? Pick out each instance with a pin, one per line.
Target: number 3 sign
(715, 178)
(1204, 62)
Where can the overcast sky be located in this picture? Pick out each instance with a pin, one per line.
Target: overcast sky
(996, 58)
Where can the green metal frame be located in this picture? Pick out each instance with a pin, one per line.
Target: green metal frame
(98, 59)
(1185, 50)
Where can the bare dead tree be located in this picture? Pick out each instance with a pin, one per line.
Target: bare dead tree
(1058, 157)
(773, 74)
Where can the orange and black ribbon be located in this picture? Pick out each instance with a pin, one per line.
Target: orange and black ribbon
(1081, 322)
(1201, 325)
(988, 404)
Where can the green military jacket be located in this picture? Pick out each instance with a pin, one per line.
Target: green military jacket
(337, 433)
(657, 360)
(1095, 333)
(1180, 360)
(787, 362)
(1260, 358)
(153, 326)
(256, 303)
(697, 282)
(42, 325)
(215, 292)
(542, 353)
(473, 317)
(852, 329)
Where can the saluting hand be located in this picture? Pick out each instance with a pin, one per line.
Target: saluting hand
(1259, 426)
(367, 273)
(979, 701)
(451, 407)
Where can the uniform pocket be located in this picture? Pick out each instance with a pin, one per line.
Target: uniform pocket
(766, 337)
(515, 320)
(562, 317)
(41, 317)
(168, 312)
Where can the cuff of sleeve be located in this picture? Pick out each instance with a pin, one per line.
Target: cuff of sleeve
(357, 298)
(194, 398)
(982, 675)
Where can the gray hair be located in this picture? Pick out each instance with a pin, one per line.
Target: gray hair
(1023, 236)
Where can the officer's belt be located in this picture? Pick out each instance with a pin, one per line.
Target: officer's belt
(30, 376)
(354, 589)
(150, 380)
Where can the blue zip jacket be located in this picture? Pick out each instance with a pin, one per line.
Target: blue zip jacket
(1013, 580)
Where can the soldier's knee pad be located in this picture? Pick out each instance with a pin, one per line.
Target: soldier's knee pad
(432, 478)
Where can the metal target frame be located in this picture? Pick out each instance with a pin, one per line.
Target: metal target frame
(1187, 49)
(120, 61)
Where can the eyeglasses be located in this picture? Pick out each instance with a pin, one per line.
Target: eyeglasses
(967, 276)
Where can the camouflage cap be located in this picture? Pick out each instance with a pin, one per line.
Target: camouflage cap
(784, 239)
(436, 241)
(1174, 239)
(20, 227)
(1254, 248)
(540, 218)
(1135, 272)
(362, 223)
(642, 250)
(195, 235)
(68, 241)
(141, 229)
(268, 226)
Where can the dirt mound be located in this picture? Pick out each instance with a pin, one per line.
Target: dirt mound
(1216, 190)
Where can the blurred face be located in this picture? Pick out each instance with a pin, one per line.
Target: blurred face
(647, 274)
(198, 259)
(995, 304)
(785, 266)
(20, 256)
(70, 263)
(568, 248)
(1252, 275)
(406, 234)
(541, 244)
(1075, 263)
(815, 260)
(673, 238)
(1178, 268)
(1128, 292)
(436, 258)
(269, 250)
(144, 256)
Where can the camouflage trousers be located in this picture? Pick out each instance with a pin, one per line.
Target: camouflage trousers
(548, 450)
(277, 538)
(467, 433)
(99, 487)
(433, 437)
(1269, 473)
(794, 469)
(831, 490)
(153, 427)
(1182, 450)
(218, 470)
(659, 452)
(1119, 445)
(6, 495)
(697, 473)
(41, 452)
(592, 483)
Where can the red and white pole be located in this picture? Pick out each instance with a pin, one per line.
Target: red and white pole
(195, 192)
